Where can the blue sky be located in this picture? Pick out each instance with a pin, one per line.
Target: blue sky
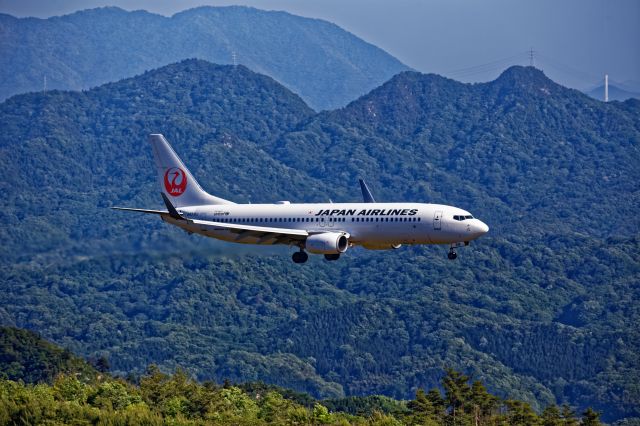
(575, 41)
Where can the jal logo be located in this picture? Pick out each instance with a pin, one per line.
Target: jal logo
(175, 181)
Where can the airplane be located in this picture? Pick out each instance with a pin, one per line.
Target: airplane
(329, 229)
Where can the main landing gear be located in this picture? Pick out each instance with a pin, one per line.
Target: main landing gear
(300, 256)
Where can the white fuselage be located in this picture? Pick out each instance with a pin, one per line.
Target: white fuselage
(327, 228)
(372, 225)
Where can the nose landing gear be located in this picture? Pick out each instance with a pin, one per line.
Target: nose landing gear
(300, 257)
(452, 255)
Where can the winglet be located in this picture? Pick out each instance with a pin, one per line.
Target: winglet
(366, 194)
(172, 210)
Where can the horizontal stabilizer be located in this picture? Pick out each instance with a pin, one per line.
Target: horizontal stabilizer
(141, 210)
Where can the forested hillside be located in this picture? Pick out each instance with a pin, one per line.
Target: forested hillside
(325, 64)
(27, 357)
(159, 398)
(542, 309)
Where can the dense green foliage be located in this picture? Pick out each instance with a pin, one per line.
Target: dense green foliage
(25, 356)
(177, 399)
(540, 310)
(325, 64)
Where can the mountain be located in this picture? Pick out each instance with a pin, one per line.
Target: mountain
(325, 64)
(616, 93)
(541, 309)
(521, 148)
(94, 155)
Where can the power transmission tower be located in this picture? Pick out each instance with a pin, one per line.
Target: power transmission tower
(532, 61)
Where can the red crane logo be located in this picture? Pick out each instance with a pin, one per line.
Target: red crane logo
(175, 181)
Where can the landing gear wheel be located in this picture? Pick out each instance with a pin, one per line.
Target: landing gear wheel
(300, 257)
(452, 255)
(335, 256)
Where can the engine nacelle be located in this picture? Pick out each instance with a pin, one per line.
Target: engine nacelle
(327, 243)
(382, 246)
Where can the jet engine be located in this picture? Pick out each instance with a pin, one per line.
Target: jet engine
(327, 243)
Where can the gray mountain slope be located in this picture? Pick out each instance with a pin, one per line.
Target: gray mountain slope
(325, 64)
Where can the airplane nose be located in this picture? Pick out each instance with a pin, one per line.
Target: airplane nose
(483, 228)
(480, 229)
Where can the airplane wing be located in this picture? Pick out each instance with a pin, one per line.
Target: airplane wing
(263, 233)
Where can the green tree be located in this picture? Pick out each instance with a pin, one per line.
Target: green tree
(457, 393)
(437, 402)
(483, 403)
(114, 395)
(68, 388)
(590, 418)
(568, 416)
(551, 416)
(422, 409)
(520, 413)
(231, 405)
(321, 415)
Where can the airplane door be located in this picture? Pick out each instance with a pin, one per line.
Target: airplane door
(437, 221)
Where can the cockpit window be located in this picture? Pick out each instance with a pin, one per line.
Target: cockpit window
(460, 217)
(468, 216)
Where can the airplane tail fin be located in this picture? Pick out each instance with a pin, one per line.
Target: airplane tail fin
(176, 181)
